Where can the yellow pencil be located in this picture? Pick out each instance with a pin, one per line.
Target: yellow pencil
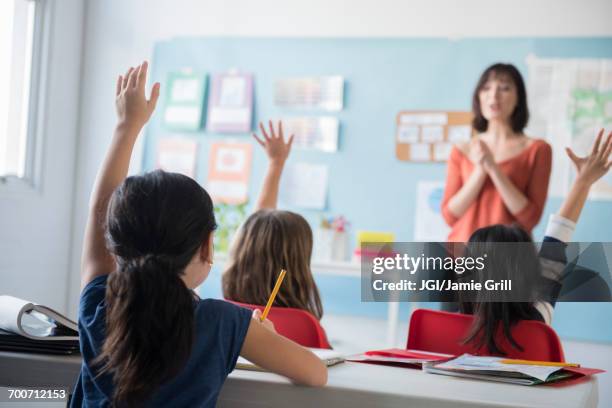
(539, 363)
(279, 280)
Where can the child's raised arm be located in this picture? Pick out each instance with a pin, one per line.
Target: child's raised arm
(277, 151)
(589, 169)
(133, 111)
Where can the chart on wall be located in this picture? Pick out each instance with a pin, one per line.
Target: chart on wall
(570, 100)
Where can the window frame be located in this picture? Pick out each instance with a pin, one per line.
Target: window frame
(31, 181)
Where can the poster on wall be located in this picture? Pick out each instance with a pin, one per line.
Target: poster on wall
(229, 172)
(317, 133)
(570, 100)
(184, 103)
(304, 185)
(326, 93)
(177, 155)
(429, 226)
(230, 103)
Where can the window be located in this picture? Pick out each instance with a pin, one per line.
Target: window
(20, 34)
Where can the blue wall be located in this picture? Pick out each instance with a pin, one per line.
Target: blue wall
(382, 76)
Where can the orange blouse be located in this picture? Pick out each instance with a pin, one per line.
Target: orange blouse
(530, 173)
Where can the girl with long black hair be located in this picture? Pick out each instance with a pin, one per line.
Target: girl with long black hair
(146, 337)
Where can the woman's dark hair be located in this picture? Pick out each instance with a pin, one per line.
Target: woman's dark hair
(156, 223)
(520, 116)
(516, 262)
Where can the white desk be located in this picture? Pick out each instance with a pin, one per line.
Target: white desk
(365, 385)
(350, 385)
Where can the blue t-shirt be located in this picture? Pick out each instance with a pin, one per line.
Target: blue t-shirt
(220, 329)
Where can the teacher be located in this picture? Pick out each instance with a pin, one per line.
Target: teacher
(501, 176)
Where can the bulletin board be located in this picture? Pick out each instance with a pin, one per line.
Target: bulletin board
(428, 136)
(367, 184)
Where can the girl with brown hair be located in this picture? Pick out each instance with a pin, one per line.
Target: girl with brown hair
(146, 338)
(271, 240)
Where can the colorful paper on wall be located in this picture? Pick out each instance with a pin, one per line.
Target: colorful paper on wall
(569, 101)
(304, 185)
(319, 133)
(325, 93)
(185, 100)
(230, 104)
(177, 155)
(229, 172)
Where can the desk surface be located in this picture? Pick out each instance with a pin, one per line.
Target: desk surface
(349, 385)
(367, 385)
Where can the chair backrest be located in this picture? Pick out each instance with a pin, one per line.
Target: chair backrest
(295, 324)
(444, 332)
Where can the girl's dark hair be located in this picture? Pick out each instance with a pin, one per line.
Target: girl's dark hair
(155, 225)
(520, 116)
(520, 264)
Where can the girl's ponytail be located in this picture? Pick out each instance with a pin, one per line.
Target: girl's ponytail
(149, 327)
(157, 224)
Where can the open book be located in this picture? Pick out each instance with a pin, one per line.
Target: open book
(493, 369)
(329, 357)
(34, 321)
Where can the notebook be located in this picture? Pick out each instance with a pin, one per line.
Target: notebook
(14, 342)
(329, 357)
(34, 321)
(492, 369)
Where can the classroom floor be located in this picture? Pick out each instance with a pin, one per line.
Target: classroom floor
(349, 334)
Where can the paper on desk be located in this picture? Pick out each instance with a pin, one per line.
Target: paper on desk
(468, 362)
(328, 356)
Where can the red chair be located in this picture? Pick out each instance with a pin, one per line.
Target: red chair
(444, 332)
(295, 324)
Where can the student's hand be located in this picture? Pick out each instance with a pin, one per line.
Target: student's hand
(266, 323)
(133, 108)
(591, 168)
(274, 143)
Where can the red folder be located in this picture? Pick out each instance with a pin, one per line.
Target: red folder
(399, 357)
(409, 354)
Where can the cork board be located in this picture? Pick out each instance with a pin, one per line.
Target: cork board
(428, 136)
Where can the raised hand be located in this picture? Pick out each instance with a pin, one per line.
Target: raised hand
(133, 108)
(591, 168)
(274, 143)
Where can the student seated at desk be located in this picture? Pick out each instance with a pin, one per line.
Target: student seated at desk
(530, 269)
(146, 338)
(271, 240)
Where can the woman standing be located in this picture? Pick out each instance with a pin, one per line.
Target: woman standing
(501, 176)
